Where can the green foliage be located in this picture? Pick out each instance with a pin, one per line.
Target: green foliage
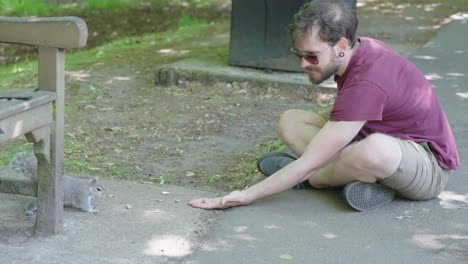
(192, 3)
(11, 148)
(21, 74)
(25, 7)
(242, 172)
(274, 146)
(188, 21)
(106, 4)
(43, 8)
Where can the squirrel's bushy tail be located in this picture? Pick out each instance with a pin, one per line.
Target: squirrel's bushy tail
(25, 163)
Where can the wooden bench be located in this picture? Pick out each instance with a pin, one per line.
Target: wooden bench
(39, 114)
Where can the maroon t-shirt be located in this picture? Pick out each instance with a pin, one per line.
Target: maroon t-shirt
(393, 95)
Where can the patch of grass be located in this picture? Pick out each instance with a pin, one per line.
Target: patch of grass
(192, 3)
(44, 8)
(243, 170)
(13, 147)
(26, 8)
(21, 74)
(80, 159)
(188, 21)
(106, 4)
(217, 54)
(213, 179)
(164, 47)
(243, 173)
(274, 146)
(116, 4)
(128, 50)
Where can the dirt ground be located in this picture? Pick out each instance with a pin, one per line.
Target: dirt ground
(192, 134)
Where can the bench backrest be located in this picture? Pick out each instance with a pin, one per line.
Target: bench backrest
(53, 32)
(51, 35)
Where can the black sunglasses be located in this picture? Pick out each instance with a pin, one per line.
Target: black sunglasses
(310, 58)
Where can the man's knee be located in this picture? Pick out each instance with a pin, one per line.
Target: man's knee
(294, 119)
(318, 185)
(286, 122)
(378, 152)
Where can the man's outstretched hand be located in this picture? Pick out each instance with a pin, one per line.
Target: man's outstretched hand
(235, 198)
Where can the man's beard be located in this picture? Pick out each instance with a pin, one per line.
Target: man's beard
(332, 69)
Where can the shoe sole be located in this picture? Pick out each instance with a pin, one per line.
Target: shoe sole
(365, 196)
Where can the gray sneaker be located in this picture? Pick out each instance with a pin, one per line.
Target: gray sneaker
(364, 196)
(272, 162)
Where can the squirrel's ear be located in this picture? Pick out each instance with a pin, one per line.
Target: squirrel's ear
(93, 182)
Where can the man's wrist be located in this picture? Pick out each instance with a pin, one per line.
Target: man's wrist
(246, 197)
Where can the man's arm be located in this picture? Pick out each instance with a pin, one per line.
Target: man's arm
(331, 139)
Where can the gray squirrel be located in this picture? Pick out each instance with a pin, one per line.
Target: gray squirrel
(77, 192)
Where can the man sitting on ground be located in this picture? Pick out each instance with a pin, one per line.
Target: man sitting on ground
(386, 134)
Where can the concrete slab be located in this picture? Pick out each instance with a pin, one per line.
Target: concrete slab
(316, 227)
(206, 71)
(137, 224)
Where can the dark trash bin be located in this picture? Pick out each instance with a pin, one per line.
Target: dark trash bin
(259, 33)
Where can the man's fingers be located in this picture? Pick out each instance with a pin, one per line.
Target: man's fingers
(197, 202)
(207, 203)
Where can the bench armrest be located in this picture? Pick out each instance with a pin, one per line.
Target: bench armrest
(54, 32)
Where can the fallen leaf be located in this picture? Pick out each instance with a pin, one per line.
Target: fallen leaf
(403, 216)
(90, 106)
(286, 257)
(145, 182)
(116, 128)
(189, 173)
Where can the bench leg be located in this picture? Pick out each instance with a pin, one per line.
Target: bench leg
(49, 220)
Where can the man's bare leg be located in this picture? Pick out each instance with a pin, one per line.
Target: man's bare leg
(373, 158)
(296, 129)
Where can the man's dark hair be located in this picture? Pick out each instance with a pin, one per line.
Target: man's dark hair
(335, 19)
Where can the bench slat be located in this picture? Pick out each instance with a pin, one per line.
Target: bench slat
(56, 32)
(9, 108)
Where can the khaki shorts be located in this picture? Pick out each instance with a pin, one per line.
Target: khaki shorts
(419, 176)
